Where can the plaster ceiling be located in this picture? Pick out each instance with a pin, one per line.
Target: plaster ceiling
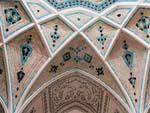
(74, 56)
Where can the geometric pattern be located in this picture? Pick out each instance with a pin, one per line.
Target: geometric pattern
(140, 24)
(12, 16)
(55, 32)
(144, 23)
(78, 54)
(101, 34)
(128, 62)
(90, 4)
(128, 58)
(26, 49)
(86, 56)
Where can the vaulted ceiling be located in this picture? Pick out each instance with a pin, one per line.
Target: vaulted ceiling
(74, 56)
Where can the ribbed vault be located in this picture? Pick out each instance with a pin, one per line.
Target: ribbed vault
(68, 56)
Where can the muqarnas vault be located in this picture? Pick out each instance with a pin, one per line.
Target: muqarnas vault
(74, 56)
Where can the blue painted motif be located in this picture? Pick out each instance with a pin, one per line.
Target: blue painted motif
(128, 58)
(144, 24)
(55, 34)
(101, 39)
(12, 16)
(83, 3)
(20, 75)
(66, 56)
(77, 50)
(25, 52)
(132, 81)
(87, 58)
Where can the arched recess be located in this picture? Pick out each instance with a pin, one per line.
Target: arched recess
(74, 92)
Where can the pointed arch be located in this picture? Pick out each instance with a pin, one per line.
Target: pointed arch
(71, 81)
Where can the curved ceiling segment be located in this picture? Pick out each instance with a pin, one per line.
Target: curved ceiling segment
(128, 58)
(74, 91)
(77, 54)
(108, 39)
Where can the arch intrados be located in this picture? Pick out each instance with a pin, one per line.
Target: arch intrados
(63, 75)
